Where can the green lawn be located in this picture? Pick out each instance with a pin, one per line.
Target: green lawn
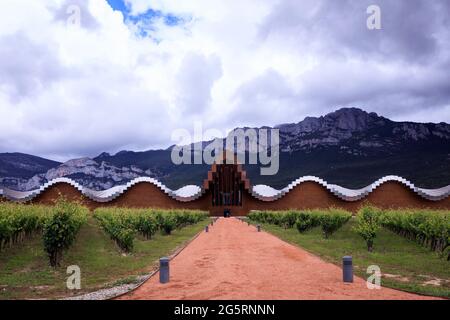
(408, 265)
(25, 272)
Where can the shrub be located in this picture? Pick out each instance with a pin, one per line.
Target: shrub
(125, 238)
(61, 227)
(168, 223)
(332, 220)
(119, 225)
(306, 221)
(254, 216)
(288, 219)
(146, 225)
(368, 224)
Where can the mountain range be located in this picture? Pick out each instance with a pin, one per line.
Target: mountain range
(349, 147)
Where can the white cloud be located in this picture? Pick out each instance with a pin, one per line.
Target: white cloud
(79, 91)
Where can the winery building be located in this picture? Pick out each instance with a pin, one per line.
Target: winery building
(227, 188)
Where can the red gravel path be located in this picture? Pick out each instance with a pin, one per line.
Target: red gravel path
(234, 261)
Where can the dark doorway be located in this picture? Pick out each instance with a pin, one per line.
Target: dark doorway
(227, 187)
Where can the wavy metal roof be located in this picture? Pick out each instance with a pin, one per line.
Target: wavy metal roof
(266, 193)
(261, 192)
(185, 194)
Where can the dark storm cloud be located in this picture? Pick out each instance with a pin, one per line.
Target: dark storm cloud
(411, 29)
(396, 92)
(398, 70)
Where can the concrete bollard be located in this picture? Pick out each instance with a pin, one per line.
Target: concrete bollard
(259, 228)
(347, 269)
(206, 229)
(164, 270)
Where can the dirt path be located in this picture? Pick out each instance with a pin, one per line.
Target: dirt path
(234, 261)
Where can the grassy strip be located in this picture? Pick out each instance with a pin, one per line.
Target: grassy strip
(25, 272)
(405, 264)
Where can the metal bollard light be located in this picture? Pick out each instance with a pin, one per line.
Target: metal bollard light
(206, 229)
(164, 270)
(259, 228)
(347, 269)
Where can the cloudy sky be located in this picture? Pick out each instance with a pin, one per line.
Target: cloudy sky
(132, 71)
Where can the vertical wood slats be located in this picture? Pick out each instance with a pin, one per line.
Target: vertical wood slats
(226, 186)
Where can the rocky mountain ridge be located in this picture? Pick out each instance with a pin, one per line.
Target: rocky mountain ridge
(86, 171)
(349, 146)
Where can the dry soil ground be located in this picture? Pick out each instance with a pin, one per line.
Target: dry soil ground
(234, 261)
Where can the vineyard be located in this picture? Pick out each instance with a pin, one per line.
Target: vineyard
(112, 244)
(430, 229)
(122, 225)
(19, 222)
(38, 243)
(329, 220)
(58, 225)
(410, 246)
(426, 227)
